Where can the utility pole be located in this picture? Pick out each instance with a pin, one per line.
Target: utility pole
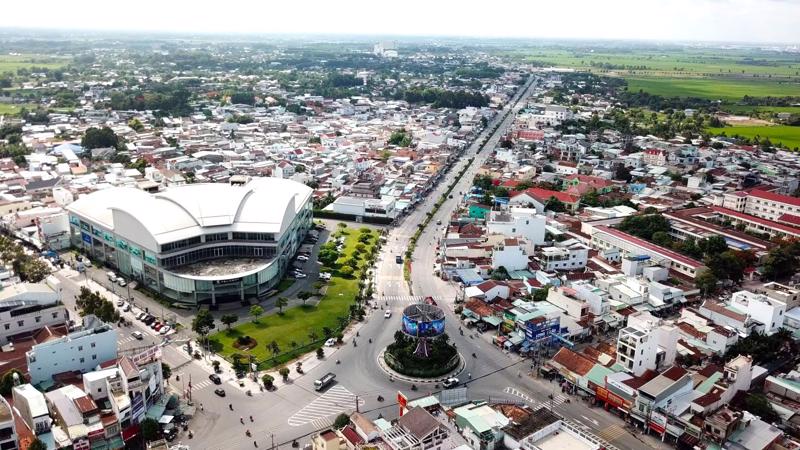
(272, 437)
(357, 404)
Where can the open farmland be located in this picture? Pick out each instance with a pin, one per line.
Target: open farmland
(714, 88)
(11, 63)
(786, 135)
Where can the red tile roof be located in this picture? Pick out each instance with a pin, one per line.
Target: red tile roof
(350, 434)
(544, 195)
(572, 361)
(791, 219)
(773, 197)
(674, 373)
(691, 262)
(747, 217)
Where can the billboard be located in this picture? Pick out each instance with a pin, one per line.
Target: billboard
(428, 328)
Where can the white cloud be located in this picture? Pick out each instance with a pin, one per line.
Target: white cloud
(716, 20)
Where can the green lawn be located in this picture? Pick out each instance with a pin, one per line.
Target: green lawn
(10, 63)
(787, 136)
(10, 109)
(747, 109)
(295, 323)
(713, 88)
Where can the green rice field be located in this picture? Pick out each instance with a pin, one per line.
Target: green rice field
(788, 136)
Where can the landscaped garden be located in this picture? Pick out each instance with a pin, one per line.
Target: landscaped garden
(406, 356)
(301, 329)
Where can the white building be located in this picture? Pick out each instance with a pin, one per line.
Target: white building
(510, 255)
(565, 255)
(766, 311)
(32, 408)
(646, 344)
(566, 299)
(80, 351)
(518, 222)
(26, 308)
(364, 207)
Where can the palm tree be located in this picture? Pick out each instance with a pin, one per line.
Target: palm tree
(280, 303)
(274, 348)
(312, 334)
(305, 295)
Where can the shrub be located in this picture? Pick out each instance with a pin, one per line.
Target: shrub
(268, 381)
(320, 353)
(284, 372)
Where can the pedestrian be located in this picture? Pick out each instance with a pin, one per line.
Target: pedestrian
(201, 407)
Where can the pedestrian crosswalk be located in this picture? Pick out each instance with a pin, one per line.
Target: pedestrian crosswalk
(612, 433)
(557, 398)
(334, 401)
(402, 299)
(196, 386)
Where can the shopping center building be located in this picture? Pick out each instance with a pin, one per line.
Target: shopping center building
(197, 243)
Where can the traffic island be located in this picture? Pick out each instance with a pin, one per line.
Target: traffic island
(421, 351)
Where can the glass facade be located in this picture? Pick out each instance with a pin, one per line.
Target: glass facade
(153, 269)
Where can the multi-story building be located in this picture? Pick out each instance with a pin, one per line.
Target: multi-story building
(80, 351)
(510, 255)
(8, 430)
(565, 255)
(764, 310)
(26, 308)
(518, 222)
(32, 408)
(646, 344)
(788, 295)
(605, 238)
(197, 243)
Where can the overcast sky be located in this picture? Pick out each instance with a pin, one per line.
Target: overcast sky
(694, 20)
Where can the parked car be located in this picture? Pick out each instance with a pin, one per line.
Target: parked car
(302, 258)
(120, 302)
(215, 378)
(141, 315)
(126, 307)
(300, 275)
(111, 277)
(165, 329)
(387, 314)
(138, 335)
(220, 392)
(158, 326)
(330, 342)
(398, 259)
(121, 281)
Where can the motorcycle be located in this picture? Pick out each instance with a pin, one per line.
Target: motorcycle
(248, 433)
(380, 398)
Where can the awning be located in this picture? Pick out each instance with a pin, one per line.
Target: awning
(470, 320)
(492, 320)
(166, 419)
(156, 411)
(516, 339)
(468, 313)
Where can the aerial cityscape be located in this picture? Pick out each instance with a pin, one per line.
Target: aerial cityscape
(333, 226)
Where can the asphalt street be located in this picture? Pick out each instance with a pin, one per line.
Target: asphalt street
(296, 411)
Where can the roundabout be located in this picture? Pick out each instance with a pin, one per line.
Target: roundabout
(421, 350)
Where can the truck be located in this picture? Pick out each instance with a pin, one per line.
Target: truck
(324, 381)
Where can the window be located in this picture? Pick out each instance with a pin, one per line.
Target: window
(38, 319)
(20, 323)
(216, 237)
(93, 345)
(82, 360)
(94, 357)
(7, 326)
(55, 315)
(80, 348)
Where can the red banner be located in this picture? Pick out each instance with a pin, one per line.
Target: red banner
(402, 401)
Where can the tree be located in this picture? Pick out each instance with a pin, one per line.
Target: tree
(662, 238)
(150, 429)
(284, 373)
(342, 420)
(540, 294)
(758, 405)
(37, 444)
(713, 245)
(347, 271)
(706, 281)
(100, 138)
(7, 382)
(229, 319)
(555, 205)
(500, 273)
(256, 311)
(313, 335)
(645, 225)
(327, 332)
(93, 303)
(304, 296)
(268, 381)
(320, 353)
(166, 371)
(281, 302)
(274, 348)
(727, 265)
(400, 138)
(203, 322)
(136, 124)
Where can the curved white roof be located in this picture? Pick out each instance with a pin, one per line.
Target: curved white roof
(263, 205)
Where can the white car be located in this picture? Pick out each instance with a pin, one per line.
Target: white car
(138, 335)
(300, 275)
(302, 258)
(120, 302)
(121, 281)
(387, 314)
(330, 342)
(164, 330)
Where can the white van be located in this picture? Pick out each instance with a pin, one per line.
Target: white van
(111, 277)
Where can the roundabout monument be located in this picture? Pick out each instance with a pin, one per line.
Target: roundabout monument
(421, 349)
